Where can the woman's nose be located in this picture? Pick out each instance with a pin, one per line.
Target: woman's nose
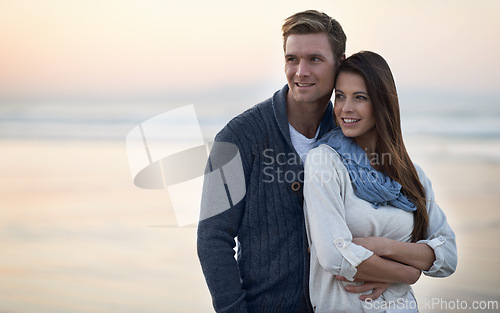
(348, 106)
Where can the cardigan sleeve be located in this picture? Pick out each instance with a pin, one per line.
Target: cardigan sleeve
(328, 234)
(440, 237)
(219, 224)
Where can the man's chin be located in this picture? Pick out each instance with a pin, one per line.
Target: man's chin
(300, 97)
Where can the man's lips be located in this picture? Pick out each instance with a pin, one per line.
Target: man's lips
(304, 84)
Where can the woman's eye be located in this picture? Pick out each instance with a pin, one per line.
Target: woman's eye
(339, 96)
(361, 98)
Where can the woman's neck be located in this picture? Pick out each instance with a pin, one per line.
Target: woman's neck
(367, 142)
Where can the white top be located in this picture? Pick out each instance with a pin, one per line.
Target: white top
(334, 215)
(301, 143)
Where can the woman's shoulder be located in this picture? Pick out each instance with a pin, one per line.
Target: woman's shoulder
(424, 180)
(323, 156)
(419, 169)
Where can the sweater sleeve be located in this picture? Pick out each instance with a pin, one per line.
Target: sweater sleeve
(440, 237)
(220, 219)
(329, 236)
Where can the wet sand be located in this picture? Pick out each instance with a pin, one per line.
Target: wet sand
(77, 236)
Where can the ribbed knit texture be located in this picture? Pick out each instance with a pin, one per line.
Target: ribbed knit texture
(271, 274)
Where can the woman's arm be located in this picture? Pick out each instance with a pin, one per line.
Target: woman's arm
(418, 255)
(441, 237)
(325, 181)
(329, 237)
(436, 255)
(379, 269)
(378, 274)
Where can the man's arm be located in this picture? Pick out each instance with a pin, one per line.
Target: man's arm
(220, 219)
(216, 253)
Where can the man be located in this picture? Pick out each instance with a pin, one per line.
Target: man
(272, 269)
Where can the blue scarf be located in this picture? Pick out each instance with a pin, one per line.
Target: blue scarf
(369, 184)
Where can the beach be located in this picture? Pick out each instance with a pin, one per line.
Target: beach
(76, 235)
(466, 188)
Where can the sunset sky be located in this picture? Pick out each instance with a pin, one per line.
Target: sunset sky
(119, 48)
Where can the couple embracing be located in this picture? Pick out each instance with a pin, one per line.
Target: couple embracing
(357, 224)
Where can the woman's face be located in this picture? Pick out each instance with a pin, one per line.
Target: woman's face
(353, 109)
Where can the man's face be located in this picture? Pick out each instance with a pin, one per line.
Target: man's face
(309, 68)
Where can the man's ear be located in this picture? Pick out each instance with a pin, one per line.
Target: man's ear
(342, 58)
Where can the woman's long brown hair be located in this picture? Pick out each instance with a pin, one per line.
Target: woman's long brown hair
(384, 99)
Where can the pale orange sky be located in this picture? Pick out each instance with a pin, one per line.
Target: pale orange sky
(138, 47)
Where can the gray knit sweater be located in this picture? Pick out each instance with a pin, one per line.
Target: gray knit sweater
(272, 267)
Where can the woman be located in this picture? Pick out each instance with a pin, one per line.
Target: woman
(370, 212)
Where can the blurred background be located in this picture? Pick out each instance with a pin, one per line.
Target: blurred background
(76, 76)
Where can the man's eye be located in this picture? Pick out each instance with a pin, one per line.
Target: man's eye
(291, 60)
(315, 59)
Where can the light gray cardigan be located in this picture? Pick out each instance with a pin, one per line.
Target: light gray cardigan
(334, 215)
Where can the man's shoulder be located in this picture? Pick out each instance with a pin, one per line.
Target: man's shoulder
(261, 110)
(254, 119)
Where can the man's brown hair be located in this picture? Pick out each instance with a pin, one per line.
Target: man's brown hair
(313, 22)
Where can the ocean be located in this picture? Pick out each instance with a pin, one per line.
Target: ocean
(426, 113)
(76, 234)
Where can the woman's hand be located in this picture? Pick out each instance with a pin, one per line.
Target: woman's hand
(377, 288)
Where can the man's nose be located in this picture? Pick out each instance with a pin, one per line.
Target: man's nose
(303, 69)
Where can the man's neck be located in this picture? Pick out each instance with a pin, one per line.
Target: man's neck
(305, 117)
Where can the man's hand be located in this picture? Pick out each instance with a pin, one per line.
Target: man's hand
(377, 287)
